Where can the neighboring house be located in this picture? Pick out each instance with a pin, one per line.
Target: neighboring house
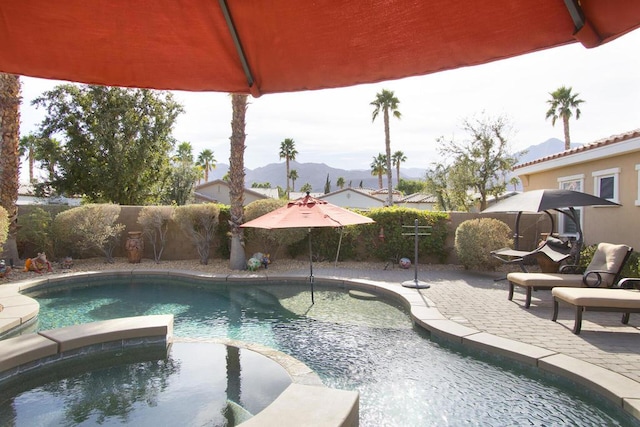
(26, 197)
(271, 193)
(423, 202)
(609, 168)
(218, 192)
(353, 198)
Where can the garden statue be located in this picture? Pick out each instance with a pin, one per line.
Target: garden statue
(66, 263)
(38, 264)
(257, 260)
(134, 246)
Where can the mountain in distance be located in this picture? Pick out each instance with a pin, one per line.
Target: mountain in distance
(316, 173)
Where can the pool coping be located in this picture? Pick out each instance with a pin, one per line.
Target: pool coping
(616, 388)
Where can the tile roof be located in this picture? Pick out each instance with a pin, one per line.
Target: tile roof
(597, 144)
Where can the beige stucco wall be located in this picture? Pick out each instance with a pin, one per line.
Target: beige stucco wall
(601, 224)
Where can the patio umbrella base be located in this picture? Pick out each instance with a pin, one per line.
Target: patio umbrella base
(417, 284)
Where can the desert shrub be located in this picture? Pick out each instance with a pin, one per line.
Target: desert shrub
(155, 224)
(35, 232)
(199, 223)
(223, 233)
(476, 238)
(88, 229)
(271, 241)
(395, 222)
(4, 225)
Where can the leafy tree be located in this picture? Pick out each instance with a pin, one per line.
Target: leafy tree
(183, 174)
(288, 152)
(387, 103)
(410, 186)
(561, 104)
(206, 161)
(437, 183)
(293, 175)
(340, 182)
(397, 158)
(306, 188)
(480, 162)
(9, 156)
(115, 141)
(237, 259)
(327, 185)
(378, 168)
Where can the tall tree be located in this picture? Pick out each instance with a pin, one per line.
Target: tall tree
(28, 145)
(237, 259)
(182, 177)
(561, 105)
(294, 176)
(288, 152)
(387, 103)
(378, 168)
(9, 156)
(327, 185)
(206, 161)
(397, 158)
(115, 142)
(306, 188)
(480, 162)
(340, 182)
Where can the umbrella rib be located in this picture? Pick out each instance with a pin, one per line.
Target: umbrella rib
(237, 43)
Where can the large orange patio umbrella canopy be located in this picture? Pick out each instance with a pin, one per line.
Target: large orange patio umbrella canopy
(268, 46)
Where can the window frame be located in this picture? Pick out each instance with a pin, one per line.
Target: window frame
(598, 176)
(576, 184)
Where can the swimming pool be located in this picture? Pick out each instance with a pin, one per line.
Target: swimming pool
(404, 379)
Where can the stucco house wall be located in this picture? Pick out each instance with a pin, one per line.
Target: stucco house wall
(616, 159)
(218, 192)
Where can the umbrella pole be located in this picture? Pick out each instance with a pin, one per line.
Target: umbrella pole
(311, 268)
(335, 264)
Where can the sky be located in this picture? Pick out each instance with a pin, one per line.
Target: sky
(335, 127)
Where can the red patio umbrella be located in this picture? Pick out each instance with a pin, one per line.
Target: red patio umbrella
(267, 46)
(308, 212)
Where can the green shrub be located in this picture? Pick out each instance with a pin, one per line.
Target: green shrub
(35, 233)
(4, 225)
(88, 229)
(155, 224)
(271, 241)
(395, 223)
(476, 238)
(199, 223)
(223, 232)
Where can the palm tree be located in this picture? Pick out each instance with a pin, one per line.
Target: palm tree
(237, 259)
(397, 158)
(206, 161)
(184, 152)
(9, 155)
(28, 145)
(386, 102)
(46, 152)
(340, 182)
(288, 152)
(378, 168)
(293, 175)
(561, 103)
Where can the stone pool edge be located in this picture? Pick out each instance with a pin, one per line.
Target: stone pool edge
(616, 388)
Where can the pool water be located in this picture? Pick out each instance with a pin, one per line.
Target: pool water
(404, 379)
(197, 384)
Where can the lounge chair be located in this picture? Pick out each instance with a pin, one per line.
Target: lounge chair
(624, 299)
(603, 271)
(553, 250)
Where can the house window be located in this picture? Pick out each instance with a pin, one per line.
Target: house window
(605, 184)
(638, 188)
(566, 227)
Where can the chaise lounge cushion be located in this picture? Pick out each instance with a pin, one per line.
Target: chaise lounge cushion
(545, 280)
(598, 297)
(608, 258)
